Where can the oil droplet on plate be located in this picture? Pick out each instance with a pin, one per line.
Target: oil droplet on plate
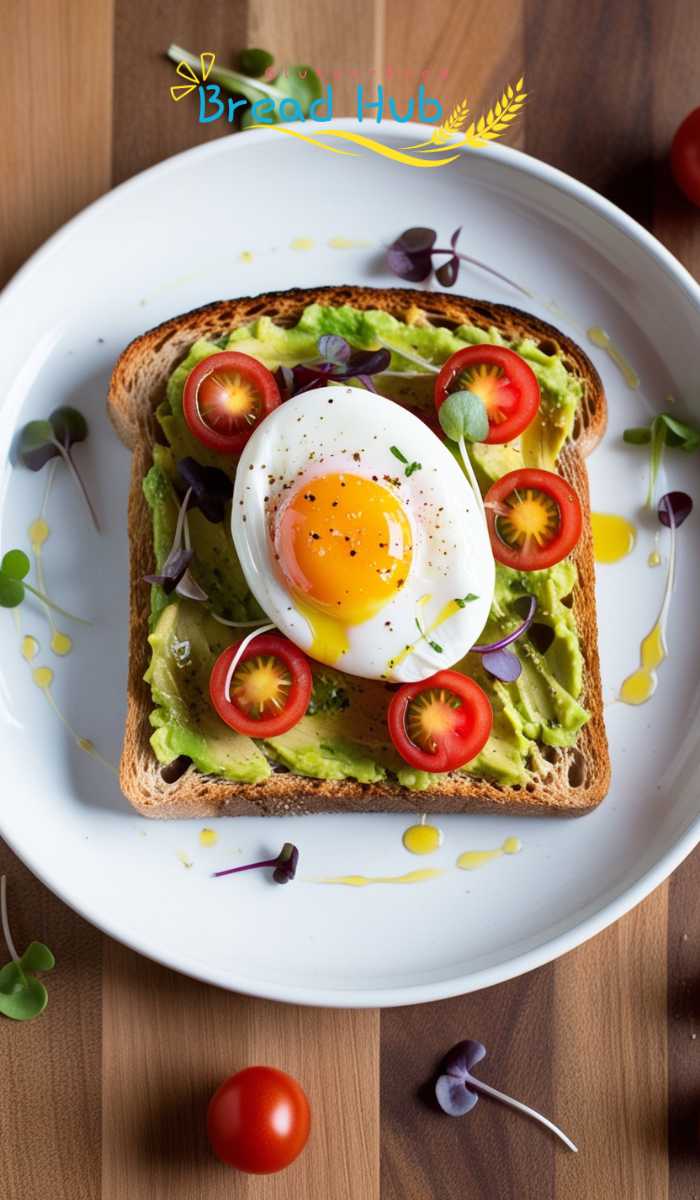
(184, 858)
(208, 837)
(30, 648)
(302, 243)
(43, 677)
(38, 533)
(365, 880)
(246, 256)
(600, 338)
(61, 643)
(471, 860)
(613, 537)
(654, 559)
(345, 243)
(638, 687)
(422, 838)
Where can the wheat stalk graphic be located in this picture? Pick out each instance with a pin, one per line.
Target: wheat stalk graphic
(497, 118)
(453, 124)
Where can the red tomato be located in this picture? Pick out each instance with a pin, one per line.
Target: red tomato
(685, 156)
(226, 395)
(440, 723)
(270, 689)
(502, 379)
(258, 1120)
(534, 519)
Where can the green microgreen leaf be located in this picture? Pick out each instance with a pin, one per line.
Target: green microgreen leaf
(411, 467)
(463, 601)
(37, 445)
(22, 995)
(254, 62)
(300, 83)
(15, 564)
(13, 585)
(463, 417)
(433, 645)
(664, 430)
(397, 454)
(69, 426)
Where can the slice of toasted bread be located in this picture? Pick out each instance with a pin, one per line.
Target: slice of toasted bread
(571, 782)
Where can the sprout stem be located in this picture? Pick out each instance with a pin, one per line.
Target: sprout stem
(56, 607)
(238, 624)
(268, 862)
(5, 922)
(66, 456)
(238, 656)
(469, 471)
(524, 1108)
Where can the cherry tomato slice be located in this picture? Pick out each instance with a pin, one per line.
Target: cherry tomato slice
(685, 156)
(440, 723)
(270, 689)
(258, 1120)
(226, 395)
(534, 519)
(502, 379)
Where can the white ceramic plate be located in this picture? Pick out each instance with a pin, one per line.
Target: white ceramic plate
(172, 239)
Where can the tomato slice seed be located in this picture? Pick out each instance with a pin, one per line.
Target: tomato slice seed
(530, 516)
(260, 686)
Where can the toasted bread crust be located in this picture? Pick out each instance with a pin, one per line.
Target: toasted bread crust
(572, 783)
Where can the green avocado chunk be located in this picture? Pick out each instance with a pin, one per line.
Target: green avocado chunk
(344, 733)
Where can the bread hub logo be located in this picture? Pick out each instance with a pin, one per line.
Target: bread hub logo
(258, 97)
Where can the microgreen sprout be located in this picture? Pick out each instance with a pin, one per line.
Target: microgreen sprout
(463, 418)
(433, 645)
(299, 84)
(411, 258)
(239, 655)
(284, 865)
(40, 441)
(410, 467)
(501, 662)
(463, 601)
(210, 488)
(14, 569)
(22, 995)
(664, 430)
(337, 362)
(175, 574)
(457, 1089)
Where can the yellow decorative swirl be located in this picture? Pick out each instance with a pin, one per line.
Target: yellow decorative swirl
(409, 160)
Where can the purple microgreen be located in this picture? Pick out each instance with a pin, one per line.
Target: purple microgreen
(285, 379)
(284, 866)
(367, 383)
(210, 488)
(14, 569)
(674, 508)
(175, 574)
(448, 272)
(411, 258)
(41, 441)
(488, 648)
(503, 665)
(172, 571)
(457, 1090)
(334, 349)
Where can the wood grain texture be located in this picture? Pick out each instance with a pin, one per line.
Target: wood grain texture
(457, 50)
(51, 1072)
(169, 1041)
(55, 145)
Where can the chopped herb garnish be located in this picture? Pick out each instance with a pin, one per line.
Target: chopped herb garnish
(410, 466)
(40, 441)
(433, 645)
(462, 601)
(397, 454)
(664, 430)
(22, 995)
(457, 1090)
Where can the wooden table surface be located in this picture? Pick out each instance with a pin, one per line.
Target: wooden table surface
(104, 1096)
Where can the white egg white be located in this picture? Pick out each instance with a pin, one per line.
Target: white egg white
(339, 428)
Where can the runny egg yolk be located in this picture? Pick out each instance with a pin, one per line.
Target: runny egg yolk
(343, 543)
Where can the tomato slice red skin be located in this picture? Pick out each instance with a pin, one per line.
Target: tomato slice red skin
(259, 1120)
(520, 375)
(297, 664)
(254, 372)
(537, 558)
(459, 748)
(685, 156)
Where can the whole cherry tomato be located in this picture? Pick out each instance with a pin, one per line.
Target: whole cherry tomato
(258, 1120)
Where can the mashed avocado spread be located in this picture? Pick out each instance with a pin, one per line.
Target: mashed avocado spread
(343, 734)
